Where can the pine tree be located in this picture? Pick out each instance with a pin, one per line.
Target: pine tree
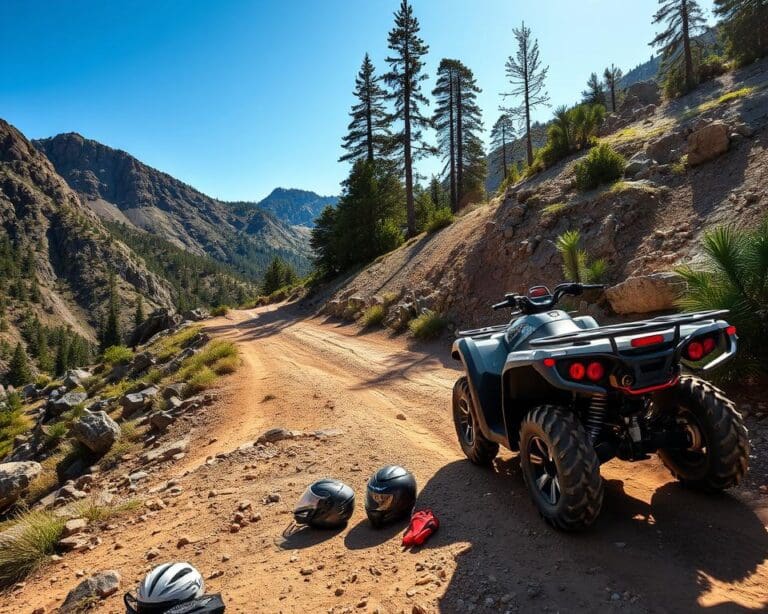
(111, 334)
(368, 132)
(278, 275)
(458, 121)
(138, 316)
(404, 79)
(527, 77)
(503, 133)
(612, 77)
(62, 357)
(744, 27)
(323, 242)
(594, 94)
(682, 19)
(19, 372)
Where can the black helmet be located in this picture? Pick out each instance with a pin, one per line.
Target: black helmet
(326, 504)
(391, 495)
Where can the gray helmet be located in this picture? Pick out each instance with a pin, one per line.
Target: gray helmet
(391, 495)
(326, 504)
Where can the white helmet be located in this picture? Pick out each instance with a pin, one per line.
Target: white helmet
(169, 584)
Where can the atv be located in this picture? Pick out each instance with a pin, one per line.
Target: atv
(569, 394)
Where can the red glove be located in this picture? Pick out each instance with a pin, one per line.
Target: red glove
(423, 524)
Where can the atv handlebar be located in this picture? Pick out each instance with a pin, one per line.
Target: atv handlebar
(534, 305)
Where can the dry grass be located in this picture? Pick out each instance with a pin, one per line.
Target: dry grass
(201, 380)
(92, 511)
(227, 365)
(26, 546)
(716, 102)
(553, 209)
(166, 348)
(210, 354)
(631, 134)
(373, 316)
(428, 325)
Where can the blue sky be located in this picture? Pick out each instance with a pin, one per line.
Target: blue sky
(237, 97)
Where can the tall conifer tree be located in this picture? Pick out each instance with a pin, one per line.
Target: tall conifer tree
(502, 134)
(682, 19)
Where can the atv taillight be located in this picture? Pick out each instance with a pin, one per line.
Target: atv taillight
(731, 330)
(577, 371)
(549, 362)
(641, 342)
(709, 345)
(695, 351)
(595, 371)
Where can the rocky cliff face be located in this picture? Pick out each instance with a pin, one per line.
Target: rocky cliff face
(120, 188)
(296, 207)
(72, 252)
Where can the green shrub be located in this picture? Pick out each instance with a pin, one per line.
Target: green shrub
(167, 347)
(117, 355)
(56, 432)
(601, 165)
(428, 325)
(226, 365)
(93, 511)
(373, 316)
(712, 66)
(12, 423)
(201, 380)
(440, 218)
(27, 544)
(221, 310)
(576, 264)
(735, 277)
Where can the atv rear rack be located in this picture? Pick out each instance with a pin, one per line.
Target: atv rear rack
(621, 330)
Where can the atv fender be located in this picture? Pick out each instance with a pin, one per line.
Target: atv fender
(483, 361)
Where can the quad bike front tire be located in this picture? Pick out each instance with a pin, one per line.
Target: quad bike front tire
(719, 454)
(474, 444)
(560, 468)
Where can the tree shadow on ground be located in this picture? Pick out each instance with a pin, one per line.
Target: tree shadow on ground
(665, 554)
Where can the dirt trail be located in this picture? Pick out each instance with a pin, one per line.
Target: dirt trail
(656, 548)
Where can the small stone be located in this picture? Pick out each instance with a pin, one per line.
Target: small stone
(620, 544)
(215, 574)
(152, 554)
(615, 597)
(338, 592)
(489, 602)
(362, 603)
(306, 571)
(74, 526)
(234, 527)
(401, 416)
(183, 541)
(244, 505)
(255, 517)
(273, 498)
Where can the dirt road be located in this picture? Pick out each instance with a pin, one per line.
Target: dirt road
(656, 548)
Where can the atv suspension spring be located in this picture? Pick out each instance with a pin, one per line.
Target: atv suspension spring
(596, 416)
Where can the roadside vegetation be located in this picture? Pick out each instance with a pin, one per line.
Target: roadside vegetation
(577, 265)
(428, 325)
(28, 544)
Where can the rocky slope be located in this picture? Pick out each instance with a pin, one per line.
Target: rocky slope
(120, 188)
(647, 224)
(294, 207)
(72, 254)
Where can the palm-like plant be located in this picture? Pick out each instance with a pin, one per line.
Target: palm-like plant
(735, 277)
(576, 264)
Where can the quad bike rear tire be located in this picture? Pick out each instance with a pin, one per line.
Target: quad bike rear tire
(474, 444)
(719, 457)
(560, 468)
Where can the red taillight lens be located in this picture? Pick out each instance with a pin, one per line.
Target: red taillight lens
(549, 362)
(641, 342)
(709, 345)
(695, 350)
(577, 371)
(595, 371)
(731, 330)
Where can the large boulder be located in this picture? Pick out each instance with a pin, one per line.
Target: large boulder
(638, 163)
(642, 94)
(646, 293)
(708, 142)
(158, 321)
(667, 148)
(196, 315)
(166, 452)
(15, 479)
(98, 586)
(138, 401)
(96, 431)
(66, 402)
(75, 378)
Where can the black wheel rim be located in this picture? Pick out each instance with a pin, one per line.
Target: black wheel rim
(466, 423)
(543, 470)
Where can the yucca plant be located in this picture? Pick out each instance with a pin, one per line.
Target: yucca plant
(577, 266)
(735, 277)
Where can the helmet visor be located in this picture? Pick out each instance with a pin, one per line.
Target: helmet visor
(307, 504)
(379, 501)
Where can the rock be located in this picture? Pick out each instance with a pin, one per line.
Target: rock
(637, 163)
(165, 452)
(74, 543)
(30, 392)
(644, 93)
(158, 321)
(196, 315)
(708, 142)
(152, 554)
(96, 431)
(142, 362)
(15, 479)
(183, 541)
(646, 293)
(74, 526)
(161, 420)
(67, 402)
(274, 435)
(355, 303)
(138, 401)
(75, 378)
(175, 390)
(69, 492)
(666, 149)
(99, 586)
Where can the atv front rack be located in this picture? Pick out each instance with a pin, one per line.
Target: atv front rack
(612, 331)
